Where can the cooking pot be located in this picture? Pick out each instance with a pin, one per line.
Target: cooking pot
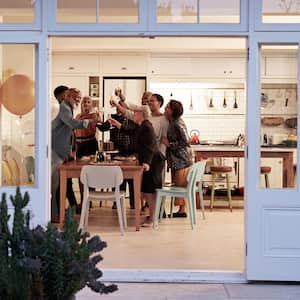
(194, 137)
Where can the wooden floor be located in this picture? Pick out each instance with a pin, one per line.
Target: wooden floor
(216, 243)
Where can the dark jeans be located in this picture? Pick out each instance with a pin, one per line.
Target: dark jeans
(70, 193)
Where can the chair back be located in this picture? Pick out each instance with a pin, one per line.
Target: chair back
(15, 171)
(101, 177)
(6, 174)
(29, 166)
(195, 175)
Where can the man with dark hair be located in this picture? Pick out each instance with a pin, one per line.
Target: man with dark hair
(60, 93)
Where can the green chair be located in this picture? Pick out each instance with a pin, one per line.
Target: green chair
(194, 179)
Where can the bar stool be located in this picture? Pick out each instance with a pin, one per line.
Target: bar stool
(220, 170)
(266, 170)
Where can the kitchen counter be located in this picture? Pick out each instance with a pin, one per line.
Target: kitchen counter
(236, 148)
(206, 151)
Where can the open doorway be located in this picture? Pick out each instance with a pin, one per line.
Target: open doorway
(208, 76)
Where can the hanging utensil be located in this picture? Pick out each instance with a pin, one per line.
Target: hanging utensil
(211, 105)
(235, 105)
(224, 101)
(191, 107)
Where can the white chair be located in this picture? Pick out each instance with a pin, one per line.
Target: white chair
(102, 177)
(194, 179)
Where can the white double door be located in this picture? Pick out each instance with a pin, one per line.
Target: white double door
(272, 215)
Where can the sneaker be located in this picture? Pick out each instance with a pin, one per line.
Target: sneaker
(178, 215)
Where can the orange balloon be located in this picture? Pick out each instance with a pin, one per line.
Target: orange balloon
(17, 94)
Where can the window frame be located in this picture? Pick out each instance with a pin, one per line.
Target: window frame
(260, 26)
(205, 27)
(120, 28)
(36, 25)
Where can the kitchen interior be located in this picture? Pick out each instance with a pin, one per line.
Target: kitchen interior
(208, 75)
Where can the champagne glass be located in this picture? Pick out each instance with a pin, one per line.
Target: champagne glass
(109, 117)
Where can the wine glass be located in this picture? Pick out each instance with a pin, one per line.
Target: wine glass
(109, 117)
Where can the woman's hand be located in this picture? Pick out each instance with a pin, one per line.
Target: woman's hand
(114, 123)
(165, 141)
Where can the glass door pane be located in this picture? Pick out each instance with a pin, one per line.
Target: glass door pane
(17, 11)
(198, 11)
(278, 109)
(115, 11)
(281, 11)
(177, 11)
(76, 11)
(215, 11)
(17, 114)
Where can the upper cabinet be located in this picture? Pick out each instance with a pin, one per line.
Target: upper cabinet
(206, 66)
(75, 63)
(219, 67)
(130, 64)
(280, 66)
(170, 66)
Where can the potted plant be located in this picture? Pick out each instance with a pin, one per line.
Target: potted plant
(45, 263)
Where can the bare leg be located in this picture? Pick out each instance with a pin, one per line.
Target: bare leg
(150, 198)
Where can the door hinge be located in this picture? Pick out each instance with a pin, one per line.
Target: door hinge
(248, 53)
(247, 152)
(47, 151)
(246, 249)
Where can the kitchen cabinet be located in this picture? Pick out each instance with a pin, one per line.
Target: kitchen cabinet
(75, 63)
(170, 66)
(131, 64)
(219, 67)
(280, 66)
(202, 67)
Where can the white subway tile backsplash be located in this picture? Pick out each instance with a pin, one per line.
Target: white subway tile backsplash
(216, 127)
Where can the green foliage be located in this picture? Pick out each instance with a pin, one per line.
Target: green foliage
(46, 264)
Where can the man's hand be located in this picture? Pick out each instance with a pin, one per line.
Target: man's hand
(146, 167)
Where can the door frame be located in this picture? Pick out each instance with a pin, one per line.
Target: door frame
(41, 189)
(262, 203)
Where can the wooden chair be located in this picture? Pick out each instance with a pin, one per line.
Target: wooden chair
(266, 170)
(220, 170)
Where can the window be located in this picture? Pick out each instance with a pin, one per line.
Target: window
(281, 11)
(198, 11)
(109, 11)
(17, 114)
(17, 11)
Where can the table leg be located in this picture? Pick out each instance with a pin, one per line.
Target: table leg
(62, 196)
(137, 183)
(288, 171)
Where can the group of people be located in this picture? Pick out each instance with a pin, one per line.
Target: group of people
(153, 136)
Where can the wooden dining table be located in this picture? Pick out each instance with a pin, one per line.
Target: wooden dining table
(130, 169)
(285, 153)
